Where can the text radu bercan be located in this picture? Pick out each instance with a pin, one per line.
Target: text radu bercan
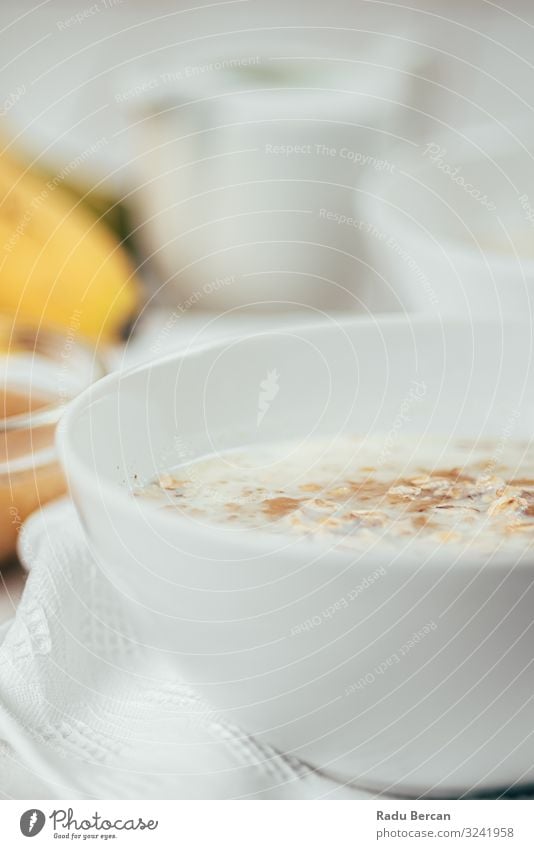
(412, 815)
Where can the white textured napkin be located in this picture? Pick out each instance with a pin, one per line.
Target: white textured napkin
(82, 713)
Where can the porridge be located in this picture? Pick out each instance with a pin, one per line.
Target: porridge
(360, 491)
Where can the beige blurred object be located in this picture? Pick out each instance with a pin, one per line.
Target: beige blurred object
(39, 371)
(247, 172)
(62, 104)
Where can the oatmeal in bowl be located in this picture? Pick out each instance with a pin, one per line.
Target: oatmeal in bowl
(357, 494)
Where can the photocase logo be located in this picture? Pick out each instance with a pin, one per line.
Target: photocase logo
(268, 391)
(32, 822)
(64, 824)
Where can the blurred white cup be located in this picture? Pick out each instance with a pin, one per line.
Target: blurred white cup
(451, 229)
(246, 170)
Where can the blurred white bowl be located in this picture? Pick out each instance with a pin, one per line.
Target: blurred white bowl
(220, 606)
(451, 230)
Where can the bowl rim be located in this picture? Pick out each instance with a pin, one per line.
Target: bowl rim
(260, 543)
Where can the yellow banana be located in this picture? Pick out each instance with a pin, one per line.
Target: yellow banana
(58, 264)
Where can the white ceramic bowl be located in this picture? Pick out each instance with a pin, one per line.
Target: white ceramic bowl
(451, 231)
(228, 609)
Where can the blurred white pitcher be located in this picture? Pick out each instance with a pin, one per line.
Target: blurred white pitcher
(246, 173)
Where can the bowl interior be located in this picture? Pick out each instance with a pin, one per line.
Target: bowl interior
(365, 377)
